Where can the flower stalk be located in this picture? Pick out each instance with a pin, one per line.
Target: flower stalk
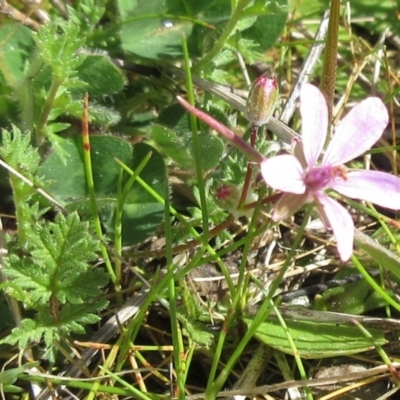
(235, 140)
(302, 179)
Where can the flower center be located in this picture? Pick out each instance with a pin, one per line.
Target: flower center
(319, 177)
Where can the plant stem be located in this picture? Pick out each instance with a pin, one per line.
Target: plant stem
(121, 197)
(196, 144)
(330, 57)
(247, 180)
(177, 340)
(220, 43)
(56, 82)
(261, 316)
(92, 193)
(235, 140)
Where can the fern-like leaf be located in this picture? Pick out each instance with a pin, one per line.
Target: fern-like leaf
(57, 280)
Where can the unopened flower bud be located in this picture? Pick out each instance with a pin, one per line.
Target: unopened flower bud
(262, 100)
(227, 196)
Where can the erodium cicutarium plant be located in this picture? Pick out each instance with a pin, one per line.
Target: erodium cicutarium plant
(303, 179)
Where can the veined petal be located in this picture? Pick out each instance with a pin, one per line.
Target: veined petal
(314, 116)
(340, 222)
(377, 187)
(283, 173)
(288, 204)
(357, 132)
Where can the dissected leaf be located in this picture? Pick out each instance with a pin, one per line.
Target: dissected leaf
(59, 51)
(57, 280)
(59, 259)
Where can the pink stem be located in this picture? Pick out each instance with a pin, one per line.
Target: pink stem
(247, 180)
(236, 141)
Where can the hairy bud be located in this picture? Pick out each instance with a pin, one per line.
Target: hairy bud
(262, 100)
(227, 196)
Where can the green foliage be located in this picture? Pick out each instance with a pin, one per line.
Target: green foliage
(48, 76)
(57, 281)
(142, 213)
(101, 76)
(316, 339)
(9, 377)
(58, 50)
(17, 151)
(51, 263)
(153, 29)
(127, 55)
(16, 46)
(177, 143)
(87, 14)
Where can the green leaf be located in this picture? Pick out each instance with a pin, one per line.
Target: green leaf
(169, 143)
(155, 38)
(352, 298)
(30, 331)
(8, 377)
(16, 45)
(177, 142)
(99, 114)
(74, 317)
(380, 254)
(180, 148)
(53, 276)
(58, 264)
(142, 213)
(316, 339)
(267, 28)
(59, 51)
(147, 34)
(198, 332)
(69, 179)
(17, 151)
(101, 75)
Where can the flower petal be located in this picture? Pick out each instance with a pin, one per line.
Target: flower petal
(314, 115)
(377, 187)
(357, 132)
(288, 204)
(340, 222)
(283, 173)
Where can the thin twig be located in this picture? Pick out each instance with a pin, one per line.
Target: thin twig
(18, 16)
(32, 185)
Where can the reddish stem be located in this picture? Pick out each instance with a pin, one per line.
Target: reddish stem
(236, 141)
(249, 172)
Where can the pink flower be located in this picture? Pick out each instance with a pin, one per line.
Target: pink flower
(304, 180)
